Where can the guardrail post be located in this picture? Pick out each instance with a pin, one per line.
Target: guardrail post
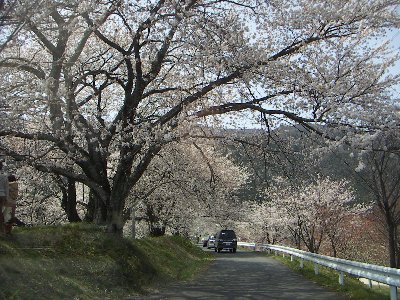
(316, 270)
(302, 263)
(341, 278)
(370, 283)
(393, 292)
(291, 257)
(283, 254)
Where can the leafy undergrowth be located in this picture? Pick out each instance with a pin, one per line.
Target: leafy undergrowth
(84, 262)
(352, 288)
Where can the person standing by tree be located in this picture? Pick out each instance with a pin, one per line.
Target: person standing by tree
(4, 192)
(10, 204)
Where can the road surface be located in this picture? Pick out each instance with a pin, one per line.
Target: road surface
(245, 275)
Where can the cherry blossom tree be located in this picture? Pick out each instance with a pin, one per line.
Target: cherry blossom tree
(361, 239)
(312, 212)
(93, 90)
(267, 224)
(194, 172)
(40, 199)
(379, 167)
(39, 191)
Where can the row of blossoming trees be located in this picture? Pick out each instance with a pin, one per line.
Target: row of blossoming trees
(184, 183)
(319, 215)
(307, 215)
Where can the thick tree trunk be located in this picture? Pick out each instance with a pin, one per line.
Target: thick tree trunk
(115, 222)
(115, 210)
(122, 183)
(68, 202)
(90, 209)
(72, 213)
(96, 210)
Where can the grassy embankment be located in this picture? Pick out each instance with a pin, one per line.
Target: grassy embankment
(84, 262)
(352, 289)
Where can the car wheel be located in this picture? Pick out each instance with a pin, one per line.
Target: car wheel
(215, 249)
(230, 250)
(219, 250)
(234, 250)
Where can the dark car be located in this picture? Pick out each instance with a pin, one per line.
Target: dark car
(226, 239)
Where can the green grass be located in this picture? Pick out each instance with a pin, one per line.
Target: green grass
(84, 262)
(352, 288)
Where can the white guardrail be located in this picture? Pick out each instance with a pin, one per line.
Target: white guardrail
(389, 276)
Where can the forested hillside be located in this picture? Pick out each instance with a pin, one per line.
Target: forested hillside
(294, 153)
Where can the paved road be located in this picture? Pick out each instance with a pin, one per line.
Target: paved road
(245, 275)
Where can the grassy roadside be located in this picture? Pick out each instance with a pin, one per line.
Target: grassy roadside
(352, 289)
(83, 262)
